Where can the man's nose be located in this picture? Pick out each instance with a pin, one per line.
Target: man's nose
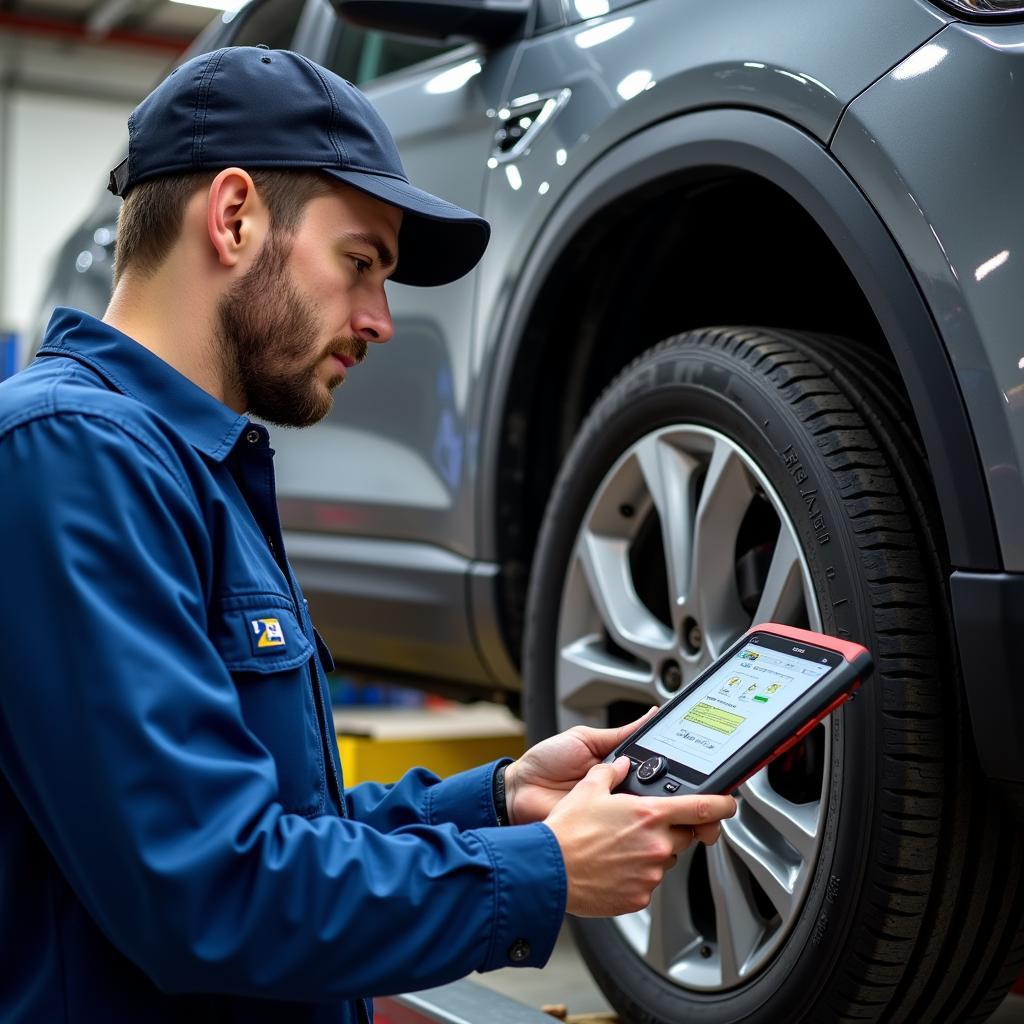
(372, 322)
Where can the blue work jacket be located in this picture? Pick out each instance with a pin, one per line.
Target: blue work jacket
(176, 843)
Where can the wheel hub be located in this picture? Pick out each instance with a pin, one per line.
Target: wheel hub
(652, 597)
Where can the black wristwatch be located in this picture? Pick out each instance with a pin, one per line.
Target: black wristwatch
(498, 793)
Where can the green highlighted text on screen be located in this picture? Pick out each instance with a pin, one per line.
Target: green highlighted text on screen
(714, 718)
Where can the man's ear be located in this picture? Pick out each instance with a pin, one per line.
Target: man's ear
(237, 220)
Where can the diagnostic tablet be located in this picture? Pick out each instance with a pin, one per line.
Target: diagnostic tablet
(762, 696)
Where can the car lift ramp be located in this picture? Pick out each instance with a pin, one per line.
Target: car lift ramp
(461, 1002)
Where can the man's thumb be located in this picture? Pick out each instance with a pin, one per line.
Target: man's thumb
(610, 775)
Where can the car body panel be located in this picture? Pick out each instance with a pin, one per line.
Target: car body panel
(387, 480)
(411, 477)
(804, 61)
(951, 199)
(407, 598)
(989, 614)
(726, 56)
(797, 163)
(393, 459)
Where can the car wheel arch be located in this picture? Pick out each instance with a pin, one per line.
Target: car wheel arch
(712, 145)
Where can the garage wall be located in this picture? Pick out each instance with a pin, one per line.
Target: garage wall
(64, 107)
(60, 152)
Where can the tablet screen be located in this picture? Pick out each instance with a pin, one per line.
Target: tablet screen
(762, 678)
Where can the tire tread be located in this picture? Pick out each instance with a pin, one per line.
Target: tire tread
(937, 822)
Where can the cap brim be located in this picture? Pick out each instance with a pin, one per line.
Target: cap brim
(438, 241)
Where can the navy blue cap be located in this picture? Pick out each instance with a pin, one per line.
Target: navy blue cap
(250, 107)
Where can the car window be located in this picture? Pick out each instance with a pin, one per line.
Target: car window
(361, 55)
(271, 21)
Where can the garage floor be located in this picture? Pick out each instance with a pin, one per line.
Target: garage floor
(566, 980)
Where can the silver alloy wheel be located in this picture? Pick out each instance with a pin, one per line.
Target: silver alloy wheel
(612, 647)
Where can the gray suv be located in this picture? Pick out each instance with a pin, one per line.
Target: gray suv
(747, 345)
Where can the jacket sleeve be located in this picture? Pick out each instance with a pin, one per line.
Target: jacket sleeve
(122, 737)
(465, 800)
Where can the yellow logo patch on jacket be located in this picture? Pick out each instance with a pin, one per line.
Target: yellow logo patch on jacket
(269, 632)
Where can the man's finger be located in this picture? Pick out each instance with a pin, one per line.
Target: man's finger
(697, 810)
(603, 741)
(682, 838)
(707, 834)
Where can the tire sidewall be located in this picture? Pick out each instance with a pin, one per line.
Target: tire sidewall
(696, 385)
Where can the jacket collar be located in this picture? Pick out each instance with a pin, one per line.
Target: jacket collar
(128, 367)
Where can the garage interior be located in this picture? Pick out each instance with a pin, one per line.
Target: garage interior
(71, 71)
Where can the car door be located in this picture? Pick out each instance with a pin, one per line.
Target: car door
(376, 499)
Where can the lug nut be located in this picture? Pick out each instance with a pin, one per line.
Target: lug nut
(693, 636)
(671, 676)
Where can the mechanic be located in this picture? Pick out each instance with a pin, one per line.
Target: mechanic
(176, 843)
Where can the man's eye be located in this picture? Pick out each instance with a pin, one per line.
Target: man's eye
(361, 265)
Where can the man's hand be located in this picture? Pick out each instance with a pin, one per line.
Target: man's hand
(547, 771)
(617, 847)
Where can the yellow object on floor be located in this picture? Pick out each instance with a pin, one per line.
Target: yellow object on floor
(380, 744)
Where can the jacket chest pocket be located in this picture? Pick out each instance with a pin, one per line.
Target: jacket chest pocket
(265, 650)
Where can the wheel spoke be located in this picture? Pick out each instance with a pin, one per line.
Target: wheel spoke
(796, 823)
(715, 510)
(632, 626)
(783, 598)
(669, 475)
(724, 500)
(775, 874)
(737, 921)
(672, 931)
(589, 678)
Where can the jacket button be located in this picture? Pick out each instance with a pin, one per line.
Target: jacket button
(252, 436)
(519, 951)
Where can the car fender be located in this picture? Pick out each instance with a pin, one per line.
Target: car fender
(802, 167)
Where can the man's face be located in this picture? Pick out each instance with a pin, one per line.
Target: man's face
(307, 309)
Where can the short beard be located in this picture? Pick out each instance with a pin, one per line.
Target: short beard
(267, 330)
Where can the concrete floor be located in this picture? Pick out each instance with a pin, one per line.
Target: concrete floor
(566, 980)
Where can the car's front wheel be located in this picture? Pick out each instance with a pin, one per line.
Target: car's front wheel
(734, 476)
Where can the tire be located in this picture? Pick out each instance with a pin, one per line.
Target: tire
(733, 474)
